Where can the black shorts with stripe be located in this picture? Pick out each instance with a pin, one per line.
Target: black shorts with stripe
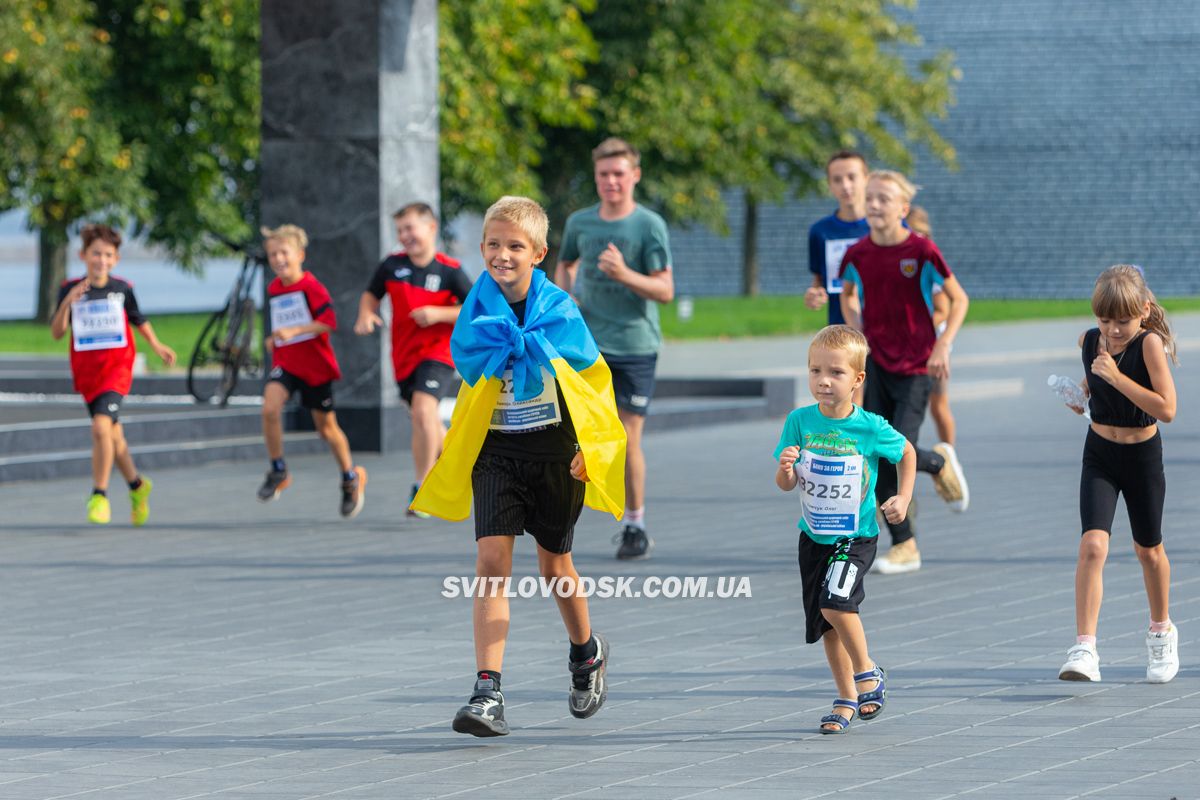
(514, 496)
(831, 576)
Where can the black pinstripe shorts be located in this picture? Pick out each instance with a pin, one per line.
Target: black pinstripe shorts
(513, 496)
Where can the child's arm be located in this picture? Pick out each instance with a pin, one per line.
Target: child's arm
(895, 508)
(1158, 402)
(368, 314)
(160, 349)
(432, 315)
(851, 310)
(292, 331)
(785, 477)
(564, 274)
(941, 308)
(61, 321)
(939, 359)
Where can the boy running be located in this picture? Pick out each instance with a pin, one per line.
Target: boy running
(101, 311)
(830, 237)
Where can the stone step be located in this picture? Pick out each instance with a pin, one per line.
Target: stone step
(194, 423)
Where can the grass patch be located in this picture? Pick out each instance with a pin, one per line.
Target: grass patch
(178, 331)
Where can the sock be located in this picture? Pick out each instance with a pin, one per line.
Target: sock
(1160, 627)
(484, 674)
(636, 518)
(582, 652)
(350, 477)
(101, 492)
(135, 484)
(1085, 639)
(415, 488)
(278, 465)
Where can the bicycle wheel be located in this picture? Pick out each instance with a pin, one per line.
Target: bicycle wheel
(238, 352)
(206, 369)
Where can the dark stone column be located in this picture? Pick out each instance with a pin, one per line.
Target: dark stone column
(349, 134)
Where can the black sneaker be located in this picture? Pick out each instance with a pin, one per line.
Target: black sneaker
(635, 544)
(354, 493)
(588, 685)
(275, 483)
(483, 715)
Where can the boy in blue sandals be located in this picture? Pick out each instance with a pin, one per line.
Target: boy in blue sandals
(831, 451)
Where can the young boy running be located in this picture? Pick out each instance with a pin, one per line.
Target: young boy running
(887, 287)
(426, 289)
(535, 435)
(303, 361)
(831, 451)
(830, 237)
(101, 311)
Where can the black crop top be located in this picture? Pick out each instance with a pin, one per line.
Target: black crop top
(1108, 406)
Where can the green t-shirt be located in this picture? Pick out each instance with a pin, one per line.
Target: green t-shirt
(623, 323)
(842, 457)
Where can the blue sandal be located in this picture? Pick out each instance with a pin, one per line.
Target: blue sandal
(877, 696)
(837, 719)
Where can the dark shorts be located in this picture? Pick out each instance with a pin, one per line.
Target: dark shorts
(315, 398)
(831, 576)
(430, 377)
(106, 404)
(513, 496)
(1132, 470)
(633, 381)
(900, 399)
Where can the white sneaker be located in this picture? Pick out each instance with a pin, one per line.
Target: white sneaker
(900, 558)
(1163, 649)
(951, 483)
(1083, 664)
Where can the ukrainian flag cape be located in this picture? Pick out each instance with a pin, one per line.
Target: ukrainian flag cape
(486, 340)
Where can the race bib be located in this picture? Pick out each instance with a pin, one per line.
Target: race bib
(289, 310)
(515, 416)
(831, 492)
(99, 324)
(835, 249)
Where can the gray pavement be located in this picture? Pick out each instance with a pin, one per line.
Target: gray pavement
(231, 649)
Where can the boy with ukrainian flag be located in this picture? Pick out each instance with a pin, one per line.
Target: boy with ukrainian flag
(534, 436)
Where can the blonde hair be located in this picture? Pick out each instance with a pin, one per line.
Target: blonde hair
(845, 338)
(613, 147)
(1121, 292)
(918, 221)
(529, 217)
(293, 233)
(908, 189)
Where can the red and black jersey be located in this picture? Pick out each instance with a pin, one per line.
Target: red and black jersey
(102, 347)
(440, 283)
(309, 357)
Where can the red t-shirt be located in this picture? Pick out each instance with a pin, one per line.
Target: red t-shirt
(102, 347)
(895, 286)
(309, 357)
(439, 283)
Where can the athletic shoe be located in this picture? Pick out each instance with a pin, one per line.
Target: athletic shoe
(275, 483)
(635, 544)
(950, 483)
(412, 513)
(483, 715)
(900, 558)
(588, 685)
(1083, 664)
(1163, 650)
(99, 512)
(354, 493)
(139, 499)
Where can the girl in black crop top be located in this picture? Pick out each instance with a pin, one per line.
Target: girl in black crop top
(1130, 391)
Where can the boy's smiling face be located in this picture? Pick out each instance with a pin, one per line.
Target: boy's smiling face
(99, 257)
(886, 205)
(286, 258)
(510, 257)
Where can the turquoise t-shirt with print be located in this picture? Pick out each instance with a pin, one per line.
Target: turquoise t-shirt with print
(623, 323)
(842, 456)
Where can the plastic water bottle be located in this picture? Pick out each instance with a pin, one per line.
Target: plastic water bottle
(1069, 392)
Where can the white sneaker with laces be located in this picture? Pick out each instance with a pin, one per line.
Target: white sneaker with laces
(1163, 649)
(1083, 664)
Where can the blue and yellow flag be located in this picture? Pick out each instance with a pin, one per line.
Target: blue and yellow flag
(487, 341)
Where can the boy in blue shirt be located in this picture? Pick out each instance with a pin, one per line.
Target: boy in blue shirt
(829, 237)
(831, 450)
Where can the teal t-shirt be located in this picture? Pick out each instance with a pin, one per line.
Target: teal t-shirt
(623, 323)
(841, 456)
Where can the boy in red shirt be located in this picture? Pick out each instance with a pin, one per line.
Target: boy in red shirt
(426, 289)
(101, 312)
(303, 361)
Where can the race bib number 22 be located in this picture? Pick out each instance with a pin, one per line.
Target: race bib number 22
(831, 492)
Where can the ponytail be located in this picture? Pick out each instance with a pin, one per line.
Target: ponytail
(1156, 321)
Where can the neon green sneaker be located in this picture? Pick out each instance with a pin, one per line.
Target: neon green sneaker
(99, 512)
(139, 498)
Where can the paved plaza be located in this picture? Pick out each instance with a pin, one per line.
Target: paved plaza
(237, 650)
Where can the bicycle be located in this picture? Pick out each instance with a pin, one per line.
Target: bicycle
(229, 344)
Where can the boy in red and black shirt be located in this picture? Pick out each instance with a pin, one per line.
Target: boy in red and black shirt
(426, 289)
(101, 313)
(303, 361)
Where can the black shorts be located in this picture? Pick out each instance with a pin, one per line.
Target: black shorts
(315, 398)
(1132, 470)
(106, 404)
(513, 496)
(831, 576)
(633, 381)
(900, 399)
(430, 377)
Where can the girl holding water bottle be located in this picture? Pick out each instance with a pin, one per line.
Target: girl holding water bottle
(1130, 390)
